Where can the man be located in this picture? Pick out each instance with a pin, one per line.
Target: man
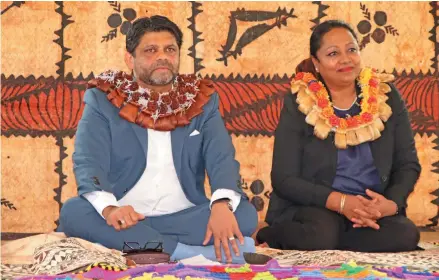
(142, 148)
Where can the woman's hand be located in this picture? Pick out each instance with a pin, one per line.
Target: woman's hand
(367, 216)
(378, 202)
(360, 214)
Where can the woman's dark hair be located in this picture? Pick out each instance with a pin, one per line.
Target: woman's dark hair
(307, 66)
(320, 30)
(151, 24)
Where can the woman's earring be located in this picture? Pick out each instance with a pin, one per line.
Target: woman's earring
(317, 70)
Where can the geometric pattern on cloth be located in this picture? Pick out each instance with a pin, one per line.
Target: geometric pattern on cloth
(415, 260)
(12, 271)
(272, 270)
(60, 257)
(69, 256)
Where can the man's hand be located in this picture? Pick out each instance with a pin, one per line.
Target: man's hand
(121, 217)
(224, 227)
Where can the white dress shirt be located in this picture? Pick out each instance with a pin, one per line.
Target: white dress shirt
(158, 191)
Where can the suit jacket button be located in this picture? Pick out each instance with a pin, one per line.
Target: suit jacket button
(384, 178)
(95, 180)
(125, 191)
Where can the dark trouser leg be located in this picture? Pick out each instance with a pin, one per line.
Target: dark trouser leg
(310, 228)
(396, 234)
(79, 219)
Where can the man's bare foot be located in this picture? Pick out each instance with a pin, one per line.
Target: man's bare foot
(261, 225)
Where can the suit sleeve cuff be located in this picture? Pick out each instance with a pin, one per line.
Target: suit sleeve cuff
(234, 197)
(100, 200)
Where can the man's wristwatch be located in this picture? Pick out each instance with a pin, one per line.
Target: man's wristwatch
(229, 203)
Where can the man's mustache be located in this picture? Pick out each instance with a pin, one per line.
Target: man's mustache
(163, 63)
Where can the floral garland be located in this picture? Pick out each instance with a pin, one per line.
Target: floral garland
(314, 102)
(152, 109)
(157, 104)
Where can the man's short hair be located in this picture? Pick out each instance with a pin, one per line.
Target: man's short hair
(151, 24)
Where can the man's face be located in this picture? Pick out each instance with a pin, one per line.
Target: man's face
(156, 60)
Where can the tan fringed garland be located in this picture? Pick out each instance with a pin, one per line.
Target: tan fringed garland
(314, 102)
(162, 111)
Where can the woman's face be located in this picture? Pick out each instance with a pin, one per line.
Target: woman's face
(338, 59)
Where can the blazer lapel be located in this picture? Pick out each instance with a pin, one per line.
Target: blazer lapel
(142, 135)
(178, 136)
(375, 149)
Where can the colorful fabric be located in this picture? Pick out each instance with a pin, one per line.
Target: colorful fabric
(272, 270)
(416, 260)
(420, 261)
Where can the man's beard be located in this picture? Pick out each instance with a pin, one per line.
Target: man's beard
(155, 78)
(159, 79)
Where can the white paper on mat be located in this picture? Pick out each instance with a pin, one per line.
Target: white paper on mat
(199, 260)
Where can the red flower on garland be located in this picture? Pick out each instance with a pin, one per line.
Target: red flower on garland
(352, 122)
(152, 106)
(372, 99)
(157, 105)
(133, 87)
(175, 104)
(373, 83)
(182, 99)
(318, 108)
(334, 121)
(135, 97)
(163, 109)
(173, 94)
(315, 87)
(184, 89)
(124, 85)
(154, 96)
(322, 103)
(299, 76)
(166, 99)
(367, 117)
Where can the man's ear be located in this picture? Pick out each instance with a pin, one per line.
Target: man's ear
(129, 60)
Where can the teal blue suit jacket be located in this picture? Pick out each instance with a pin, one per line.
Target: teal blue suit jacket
(110, 152)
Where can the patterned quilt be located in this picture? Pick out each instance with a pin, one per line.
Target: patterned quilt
(271, 270)
(71, 255)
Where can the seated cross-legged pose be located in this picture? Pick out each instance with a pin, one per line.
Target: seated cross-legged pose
(344, 159)
(143, 146)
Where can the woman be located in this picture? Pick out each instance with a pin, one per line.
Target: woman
(344, 158)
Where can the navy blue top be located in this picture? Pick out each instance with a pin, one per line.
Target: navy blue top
(356, 170)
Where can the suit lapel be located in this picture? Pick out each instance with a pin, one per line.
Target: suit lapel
(142, 135)
(178, 136)
(177, 139)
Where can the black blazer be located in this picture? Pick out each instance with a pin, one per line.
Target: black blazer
(304, 166)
